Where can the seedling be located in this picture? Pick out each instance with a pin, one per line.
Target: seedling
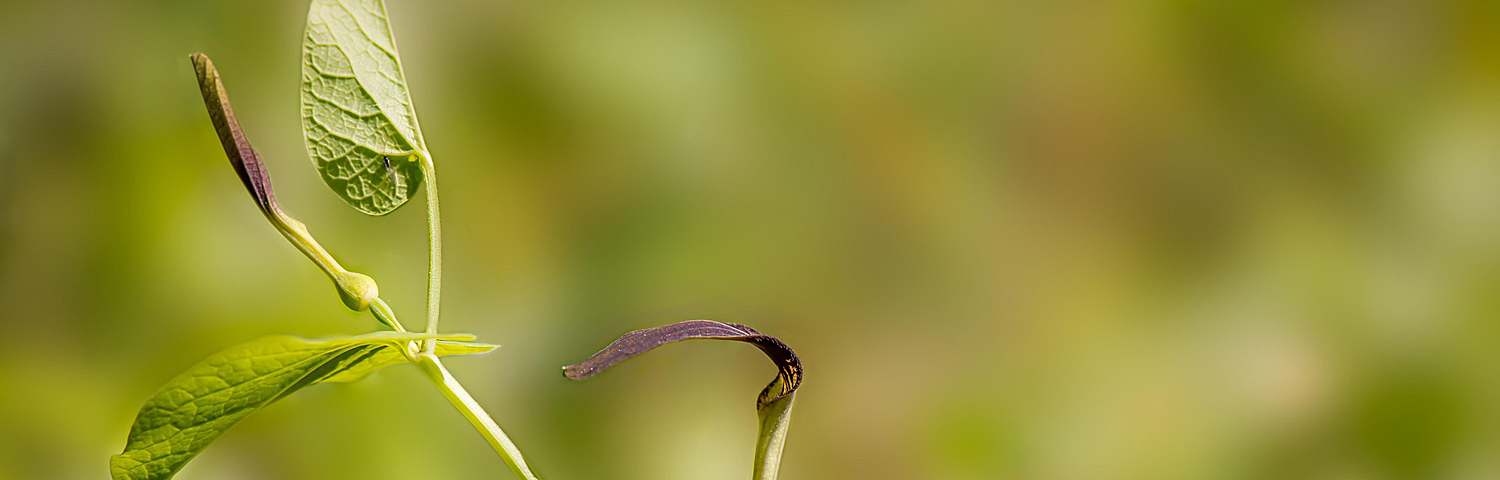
(361, 131)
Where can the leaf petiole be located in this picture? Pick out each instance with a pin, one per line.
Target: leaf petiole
(434, 247)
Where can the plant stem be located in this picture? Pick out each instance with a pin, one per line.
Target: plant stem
(384, 313)
(296, 232)
(774, 419)
(434, 249)
(455, 393)
(387, 316)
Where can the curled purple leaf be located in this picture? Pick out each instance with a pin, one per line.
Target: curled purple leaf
(242, 156)
(789, 367)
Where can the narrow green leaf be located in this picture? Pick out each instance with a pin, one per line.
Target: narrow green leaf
(200, 404)
(358, 122)
(773, 405)
(390, 356)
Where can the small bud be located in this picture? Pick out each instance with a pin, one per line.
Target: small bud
(356, 289)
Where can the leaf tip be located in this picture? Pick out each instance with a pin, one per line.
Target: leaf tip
(577, 372)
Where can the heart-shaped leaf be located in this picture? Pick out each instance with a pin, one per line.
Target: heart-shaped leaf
(358, 122)
(200, 404)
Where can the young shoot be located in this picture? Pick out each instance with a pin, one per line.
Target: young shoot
(361, 132)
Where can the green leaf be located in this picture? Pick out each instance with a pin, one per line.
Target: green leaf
(200, 404)
(773, 405)
(391, 356)
(358, 122)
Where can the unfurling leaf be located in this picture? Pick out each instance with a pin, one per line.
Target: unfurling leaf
(789, 368)
(774, 404)
(358, 122)
(200, 404)
(242, 156)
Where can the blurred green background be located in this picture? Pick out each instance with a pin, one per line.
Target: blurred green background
(1154, 239)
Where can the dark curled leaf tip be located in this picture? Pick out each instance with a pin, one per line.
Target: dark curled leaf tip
(789, 367)
(242, 156)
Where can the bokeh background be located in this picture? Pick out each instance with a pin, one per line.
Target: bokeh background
(1152, 239)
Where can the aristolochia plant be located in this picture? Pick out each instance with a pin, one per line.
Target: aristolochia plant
(361, 131)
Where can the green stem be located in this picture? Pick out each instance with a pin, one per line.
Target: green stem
(774, 420)
(434, 249)
(476, 415)
(356, 289)
(384, 313)
(296, 232)
(387, 316)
